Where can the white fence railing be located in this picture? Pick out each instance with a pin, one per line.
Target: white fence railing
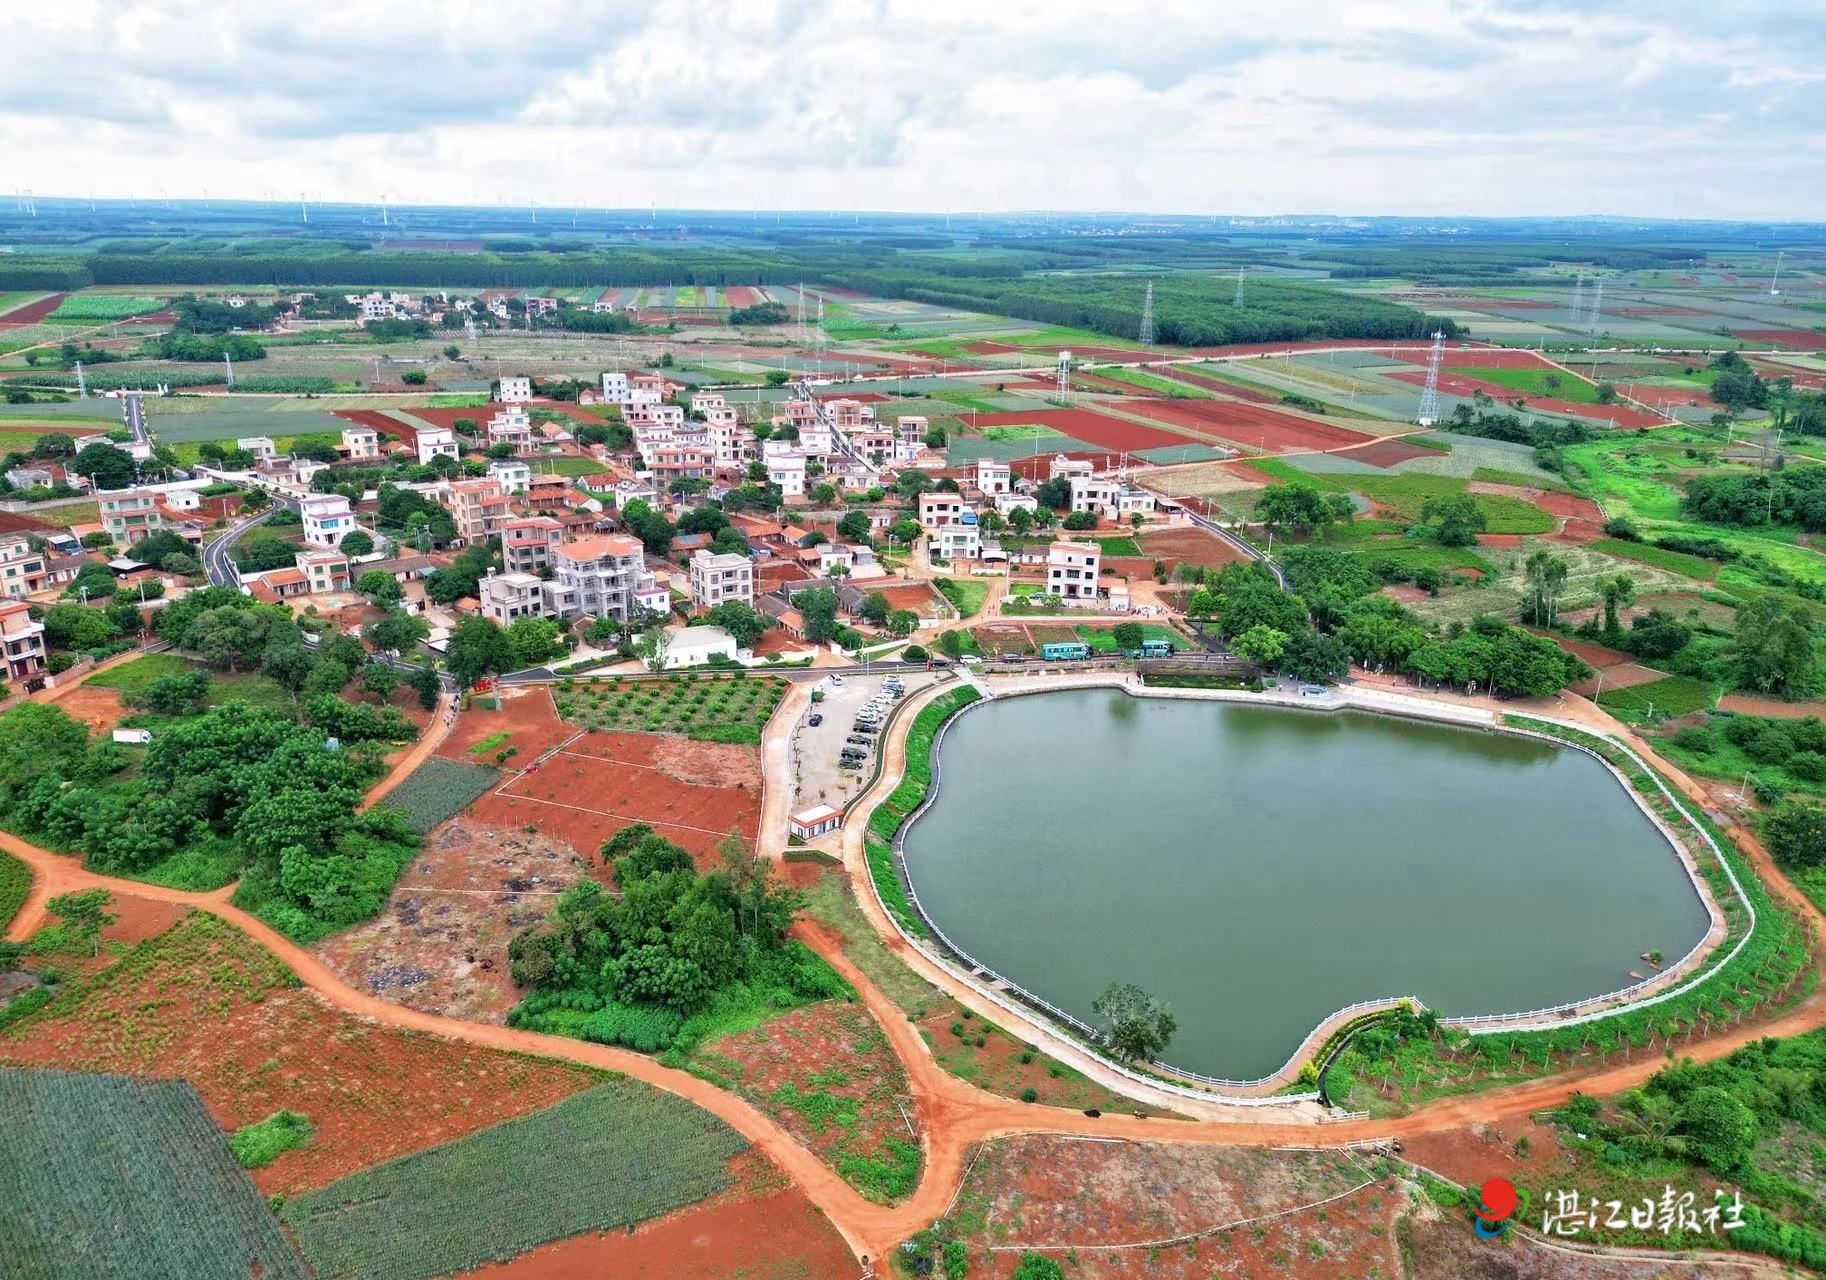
(1562, 1015)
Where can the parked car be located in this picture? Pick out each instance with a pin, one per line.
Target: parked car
(817, 718)
(971, 660)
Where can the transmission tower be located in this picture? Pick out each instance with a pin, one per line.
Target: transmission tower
(1147, 316)
(230, 366)
(1237, 301)
(1429, 397)
(801, 339)
(1777, 277)
(1064, 383)
(821, 335)
(469, 323)
(82, 384)
(1578, 297)
(1597, 302)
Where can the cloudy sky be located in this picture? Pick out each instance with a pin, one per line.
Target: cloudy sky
(1641, 107)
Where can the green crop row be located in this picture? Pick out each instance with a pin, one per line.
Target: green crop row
(438, 790)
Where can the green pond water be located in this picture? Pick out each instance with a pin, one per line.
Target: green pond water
(1261, 867)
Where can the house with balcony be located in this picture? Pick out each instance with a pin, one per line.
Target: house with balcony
(130, 514)
(324, 571)
(506, 597)
(720, 577)
(434, 443)
(22, 648)
(470, 503)
(1072, 570)
(513, 475)
(511, 426)
(328, 519)
(527, 543)
(22, 570)
(603, 577)
(514, 390)
(361, 444)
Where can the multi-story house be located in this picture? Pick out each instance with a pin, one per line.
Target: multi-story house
(436, 442)
(361, 444)
(603, 577)
(788, 471)
(22, 646)
(527, 543)
(261, 447)
(513, 475)
(541, 306)
(993, 477)
(1072, 569)
(512, 426)
(960, 541)
(718, 578)
(937, 509)
(324, 571)
(328, 519)
(615, 388)
(130, 514)
(1109, 497)
(470, 504)
(507, 596)
(515, 390)
(22, 570)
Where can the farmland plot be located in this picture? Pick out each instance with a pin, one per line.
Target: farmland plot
(112, 1176)
(438, 790)
(610, 1157)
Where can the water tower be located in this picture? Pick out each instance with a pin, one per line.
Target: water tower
(1064, 389)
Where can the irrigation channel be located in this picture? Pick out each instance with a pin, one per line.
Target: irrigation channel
(1262, 867)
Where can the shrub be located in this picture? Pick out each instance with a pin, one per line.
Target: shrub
(1030, 1094)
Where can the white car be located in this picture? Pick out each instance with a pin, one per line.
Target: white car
(971, 660)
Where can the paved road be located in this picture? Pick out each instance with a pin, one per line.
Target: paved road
(217, 563)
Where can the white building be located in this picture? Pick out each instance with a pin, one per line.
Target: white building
(513, 475)
(1109, 497)
(436, 442)
(962, 541)
(716, 578)
(788, 471)
(328, 519)
(361, 443)
(1072, 570)
(603, 577)
(512, 426)
(261, 447)
(615, 388)
(130, 514)
(993, 477)
(515, 390)
(507, 596)
(696, 646)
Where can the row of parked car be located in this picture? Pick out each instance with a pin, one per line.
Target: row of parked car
(862, 738)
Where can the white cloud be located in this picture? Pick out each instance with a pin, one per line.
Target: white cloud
(1369, 106)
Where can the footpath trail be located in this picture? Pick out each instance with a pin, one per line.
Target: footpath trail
(955, 1114)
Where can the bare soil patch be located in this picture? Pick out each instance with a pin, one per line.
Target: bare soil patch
(1253, 425)
(441, 945)
(1625, 676)
(98, 708)
(207, 1004)
(764, 1228)
(1189, 545)
(526, 715)
(1386, 453)
(1749, 704)
(828, 1074)
(1594, 655)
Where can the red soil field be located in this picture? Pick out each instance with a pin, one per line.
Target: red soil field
(759, 1235)
(866, 397)
(1503, 540)
(687, 791)
(1042, 355)
(1247, 394)
(1249, 424)
(1189, 546)
(1578, 532)
(96, 707)
(1088, 426)
(1596, 656)
(527, 714)
(917, 598)
(1801, 339)
(1619, 414)
(33, 312)
(219, 1011)
(1570, 505)
(1481, 358)
(1750, 704)
(740, 295)
(1622, 676)
(388, 428)
(1385, 453)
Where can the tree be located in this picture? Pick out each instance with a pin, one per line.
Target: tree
(776, 377)
(1543, 583)
(1036, 1266)
(54, 444)
(358, 543)
(875, 608)
(106, 466)
(1796, 833)
(424, 682)
(452, 352)
(1136, 1024)
(182, 563)
(1261, 645)
(228, 637)
(743, 621)
(818, 606)
(1128, 636)
(176, 693)
(1055, 494)
(902, 622)
(288, 665)
(1453, 521)
(414, 377)
(651, 648)
(1718, 1130)
(380, 587)
(1619, 593)
(379, 679)
(154, 547)
(474, 650)
(854, 526)
(76, 626)
(395, 631)
(1300, 507)
(1078, 520)
(531, 642)
(1022, 520)
(1774, 643)
(263, 552)
(1315, 657)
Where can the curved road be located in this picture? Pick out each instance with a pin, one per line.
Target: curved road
(954, 1114)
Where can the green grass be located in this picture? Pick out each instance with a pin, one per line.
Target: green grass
(715, 708)
(1521, 479)
(15, 887)
(1678, 562)
(438, 790)
(1673, 696)
(1022, 432)
(602, 1160)
(1728, 762)
(965, 594)
(493, 742)
(258, 1145)
(1144, 381)
(886, 819)
(1416, 556)
(967, 399)
(224, 686)
(831, 903)
(1105, 641)
(94, 308)
(1534, 383)
(104, 1175)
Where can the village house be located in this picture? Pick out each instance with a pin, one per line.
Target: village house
(603, 577)
(513, 475)
(436, 442)
(22, 646)
(992, 477)
(717, 578)
(1072, 570)
(261, 448)
(511, 426)
(361, 444)
(527, 543)
(129, 514)
(517, 390)
(22, 570)
(328, 519)
(324, 571)
(507, 596)
(471, 503)
(937, 509)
